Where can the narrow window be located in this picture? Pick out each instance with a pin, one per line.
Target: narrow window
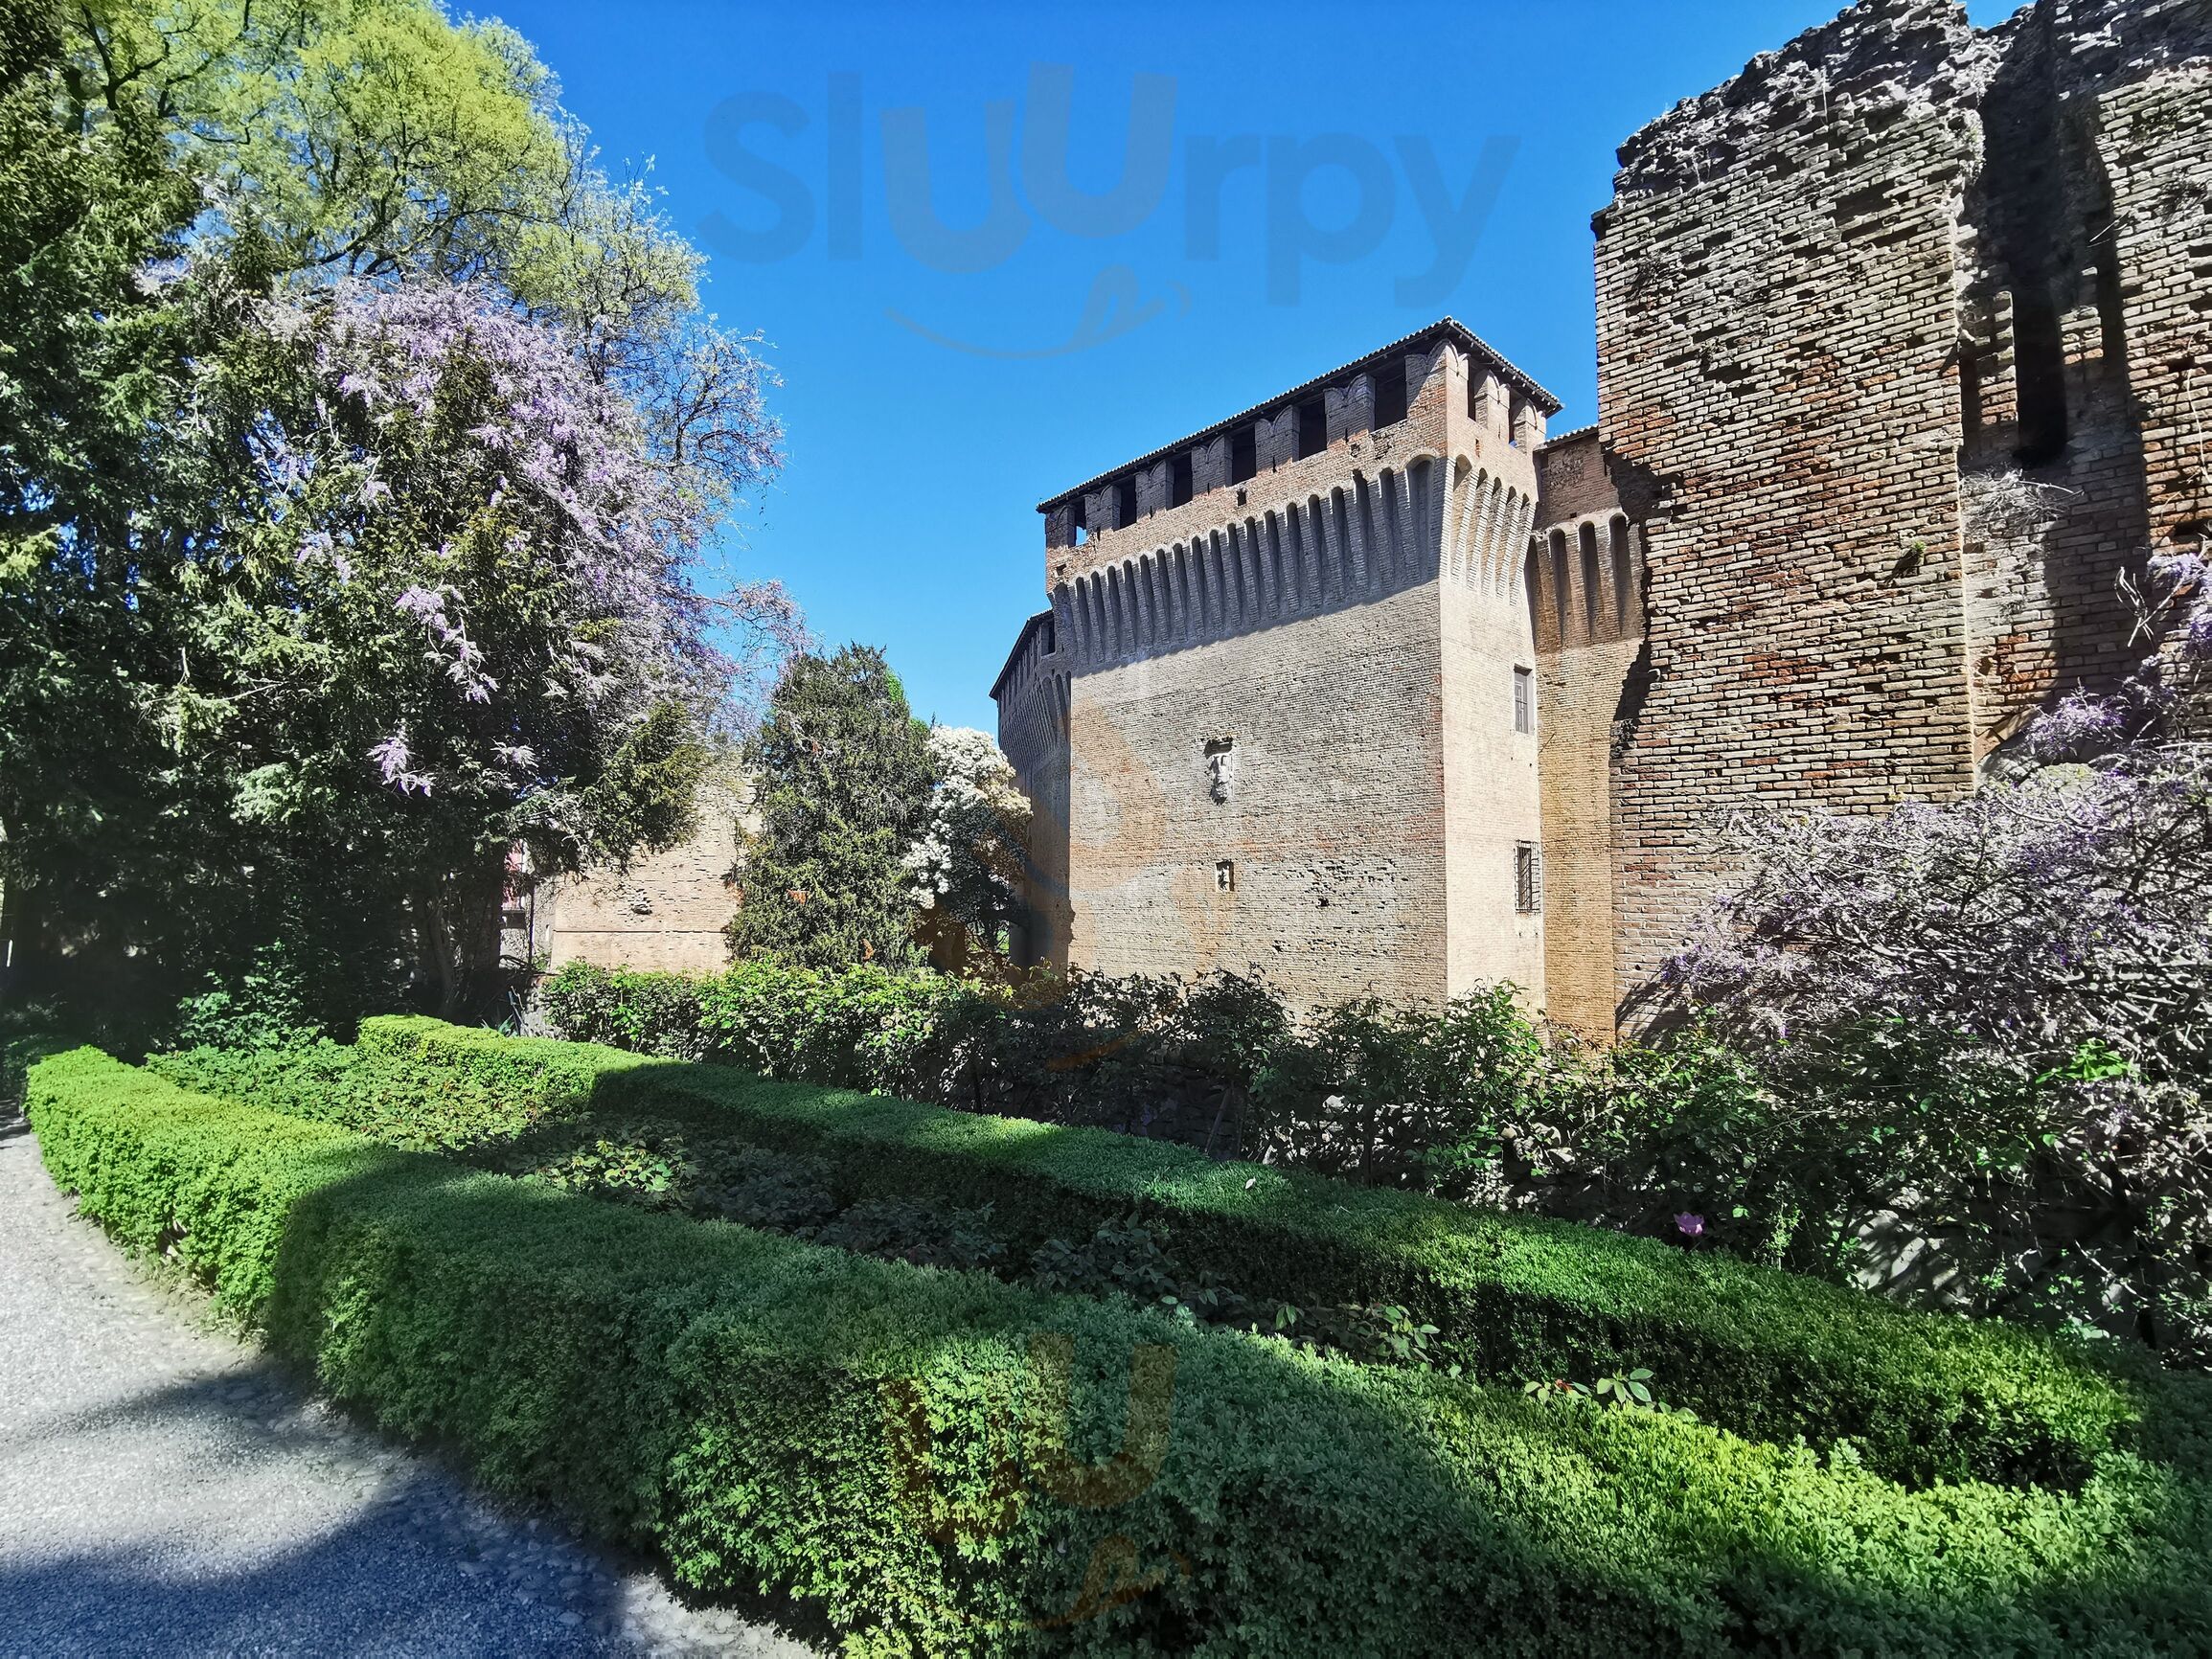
(1312, 428)
(1523, 699)
(1081, 529)
(1243, 454)
(1390, 394)
(1125, 501)
(1527, 879)
(1621, 574)
(1180, 480)
(1225, 877)
(2039, 375)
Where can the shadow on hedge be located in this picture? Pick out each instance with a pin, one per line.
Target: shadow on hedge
(1926, 1398)
(867, 1436)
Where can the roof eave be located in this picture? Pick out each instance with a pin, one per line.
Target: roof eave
(1445, 326)
(1020, 643)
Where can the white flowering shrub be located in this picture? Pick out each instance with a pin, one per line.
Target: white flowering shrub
(964, 866)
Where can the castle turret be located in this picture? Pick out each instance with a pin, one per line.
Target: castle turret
(1269, 719)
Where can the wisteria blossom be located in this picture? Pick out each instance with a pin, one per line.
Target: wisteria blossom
(2005, 1001)
(529, 530)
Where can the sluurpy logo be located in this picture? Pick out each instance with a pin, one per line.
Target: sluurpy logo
(1027, 1457)
(805, 177)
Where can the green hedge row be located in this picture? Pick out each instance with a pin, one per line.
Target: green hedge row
(889, 1441)
(1769, 1355)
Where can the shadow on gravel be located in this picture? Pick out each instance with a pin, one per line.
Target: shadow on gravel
(374, 1586)
(393, 1555)
(261, 1409)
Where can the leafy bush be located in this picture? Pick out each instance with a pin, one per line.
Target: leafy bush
(1144, 1055)
(1766, 1354)
(913, 1449)
(1398, 1096)
(266, 1005)
(357, 1089)
(654, 1013)
(1987, 1023)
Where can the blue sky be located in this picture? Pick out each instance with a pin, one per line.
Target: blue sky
(940, 377)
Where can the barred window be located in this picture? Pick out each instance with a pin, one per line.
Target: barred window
(1527, 879)
(1524, 699)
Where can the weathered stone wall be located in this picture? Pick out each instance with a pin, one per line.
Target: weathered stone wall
(2083, 255)
(1331, 830)
(1287, 741)
(1777, 390)
(1585, 581)
(1490, 773)
(668, 910)
(1032, 699)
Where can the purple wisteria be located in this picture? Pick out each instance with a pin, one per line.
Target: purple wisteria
(1999, 1009)
(465, 470)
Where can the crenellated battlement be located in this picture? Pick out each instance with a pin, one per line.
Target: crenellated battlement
(1364, 539)
(1440, 389)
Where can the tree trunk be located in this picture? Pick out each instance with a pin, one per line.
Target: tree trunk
(457, 922)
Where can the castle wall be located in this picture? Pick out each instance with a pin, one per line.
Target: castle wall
(1904, 359)
(1288, 745)
(1491, 801)
(1776, 325)
(666, 911)
(1897, 333)
(1583, 587)
(1034, 712)
(2152, 85)
(1331, 830)
(2083, 321)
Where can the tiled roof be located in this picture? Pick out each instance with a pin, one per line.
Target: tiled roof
(1443, 328)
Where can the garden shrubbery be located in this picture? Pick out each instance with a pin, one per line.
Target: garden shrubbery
(930, 1456)
(1919, 1397)
(2059, 1175)
(1140, 1055)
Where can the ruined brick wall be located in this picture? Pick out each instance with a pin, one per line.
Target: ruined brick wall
(1776, 322)
(1585, 589)
(1896, 333)
(2083, 267)
(2149, 78)
(667, 911)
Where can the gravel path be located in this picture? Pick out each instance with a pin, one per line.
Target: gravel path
(164, 1491)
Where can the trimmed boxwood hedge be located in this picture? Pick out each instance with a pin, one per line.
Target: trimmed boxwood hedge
(739, 1401)
(1772, 1355)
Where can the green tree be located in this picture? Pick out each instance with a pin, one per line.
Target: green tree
(94, 354)
(843, 774)
(287, 651)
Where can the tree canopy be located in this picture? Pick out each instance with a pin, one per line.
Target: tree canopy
(842, 773)
(361, 444)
